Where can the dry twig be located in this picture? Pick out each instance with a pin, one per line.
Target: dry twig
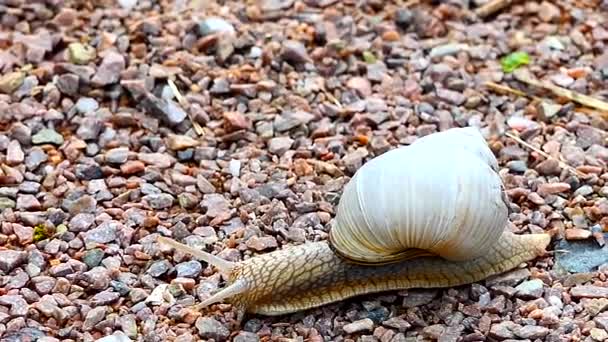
(545, 154)
(525, 77)
(184, 103)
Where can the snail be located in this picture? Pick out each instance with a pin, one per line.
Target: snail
(428, 215)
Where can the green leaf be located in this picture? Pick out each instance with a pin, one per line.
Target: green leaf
(514, 60)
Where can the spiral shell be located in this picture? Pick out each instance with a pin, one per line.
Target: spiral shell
(441, 195)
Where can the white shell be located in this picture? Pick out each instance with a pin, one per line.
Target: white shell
(441, 195)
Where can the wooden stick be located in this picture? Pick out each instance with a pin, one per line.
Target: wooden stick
(184, 103)
(504, 89)
(524, 76)
(546, 155)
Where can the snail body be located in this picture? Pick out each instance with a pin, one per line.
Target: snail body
(432, 214)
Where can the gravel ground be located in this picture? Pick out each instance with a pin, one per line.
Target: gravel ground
(284, 101)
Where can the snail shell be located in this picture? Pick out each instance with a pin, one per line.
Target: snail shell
(441, 195)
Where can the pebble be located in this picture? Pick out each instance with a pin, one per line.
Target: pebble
(86, 105)
(213, 25)
(28, 202)
(11, 81)
(361, 85)
(280, 145)
(530, 289)
(245, 336)
(531, 332)
(262, 243)
(589, 291)
(209, 328)
(180, 142)
(14, 153)
(132, 167)
(159, 201)
(553, 188)
(93, 317)
(577, 234)
(81, 53)
(104, 233)
(35, 158)
(47, 136)
(6, 203)
(189, 269)
(365, 324)
(598, 334)
(117, 155)
(295, 52)
(548, 12)
(109, 70)
(10, 259)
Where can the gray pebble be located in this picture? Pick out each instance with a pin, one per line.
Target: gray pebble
(189, 269)
(209, 328)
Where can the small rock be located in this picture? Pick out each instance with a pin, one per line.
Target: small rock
(109, 71)
(127, 4)
(365, 324)
(290, 120)
(532, 332)
(88, 172)
(397, 323)
(92, 258)
(447, 49)
(589, 291)
(68, 84)
(90, 128)
(47, 136)
(28, 203)
(86, 105)
(159, 268)
(164, 109)
(262, 243)
(294, 52)
(189, 269)
(213, 25)
(361, 85)
(80, 53)
(10, 259)
(159, 201)
(503, 330)
(81, 222)
(235, 121)
(11, 81)
(14, 153)
(209, 328)
(403, 17)
(553, 188)
(598, 334)
(6, 203)
(530, 289)
(280, 145)
(132, 167)
(104, 298)
(104, 233)
(93, 317)
(180, 142)
(117, 155)
(35, 158)
(548, 12)
(245, 336)
(577, 234)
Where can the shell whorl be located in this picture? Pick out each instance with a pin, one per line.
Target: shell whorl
(441, 195)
